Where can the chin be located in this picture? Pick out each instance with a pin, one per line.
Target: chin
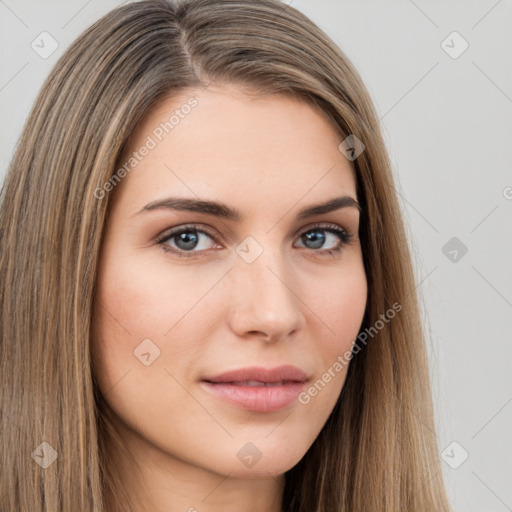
(262, 469)
(266, 461)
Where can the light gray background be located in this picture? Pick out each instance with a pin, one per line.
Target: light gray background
(447, 123)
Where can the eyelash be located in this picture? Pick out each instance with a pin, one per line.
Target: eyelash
(345, 237)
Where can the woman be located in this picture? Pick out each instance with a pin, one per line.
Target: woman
(208, 298)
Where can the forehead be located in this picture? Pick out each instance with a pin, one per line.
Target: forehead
(221, 142)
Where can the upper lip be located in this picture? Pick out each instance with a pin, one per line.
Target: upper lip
(261, 374)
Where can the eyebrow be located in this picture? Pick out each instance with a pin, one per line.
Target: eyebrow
(224, 211)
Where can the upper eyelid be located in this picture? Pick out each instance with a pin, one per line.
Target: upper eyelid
(170, 232)
(201, 228)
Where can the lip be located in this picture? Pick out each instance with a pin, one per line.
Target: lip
(286, 382)
(259, 373)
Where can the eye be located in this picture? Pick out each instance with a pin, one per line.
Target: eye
(315, 237)
(184, 240)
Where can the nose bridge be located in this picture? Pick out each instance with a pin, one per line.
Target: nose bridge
(263, 292)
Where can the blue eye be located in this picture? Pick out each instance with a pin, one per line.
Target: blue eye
(312, 236)
(186, 239)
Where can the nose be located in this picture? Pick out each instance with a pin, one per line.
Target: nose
(265, 305)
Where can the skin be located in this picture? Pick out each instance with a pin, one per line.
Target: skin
(268, 157)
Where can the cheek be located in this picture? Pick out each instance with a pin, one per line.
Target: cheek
(338, 313)
(138, 301)
(146, 299)
(340, 306)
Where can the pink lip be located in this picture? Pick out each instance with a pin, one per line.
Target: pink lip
(258, 398)
(258, 373)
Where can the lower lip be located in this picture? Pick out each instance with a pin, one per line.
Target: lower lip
(256, 398)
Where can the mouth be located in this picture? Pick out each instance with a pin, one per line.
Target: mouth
(257, 389)
(253, 383)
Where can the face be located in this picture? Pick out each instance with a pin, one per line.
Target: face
(185, 294)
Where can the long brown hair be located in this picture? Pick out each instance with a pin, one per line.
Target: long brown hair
(378, 449)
